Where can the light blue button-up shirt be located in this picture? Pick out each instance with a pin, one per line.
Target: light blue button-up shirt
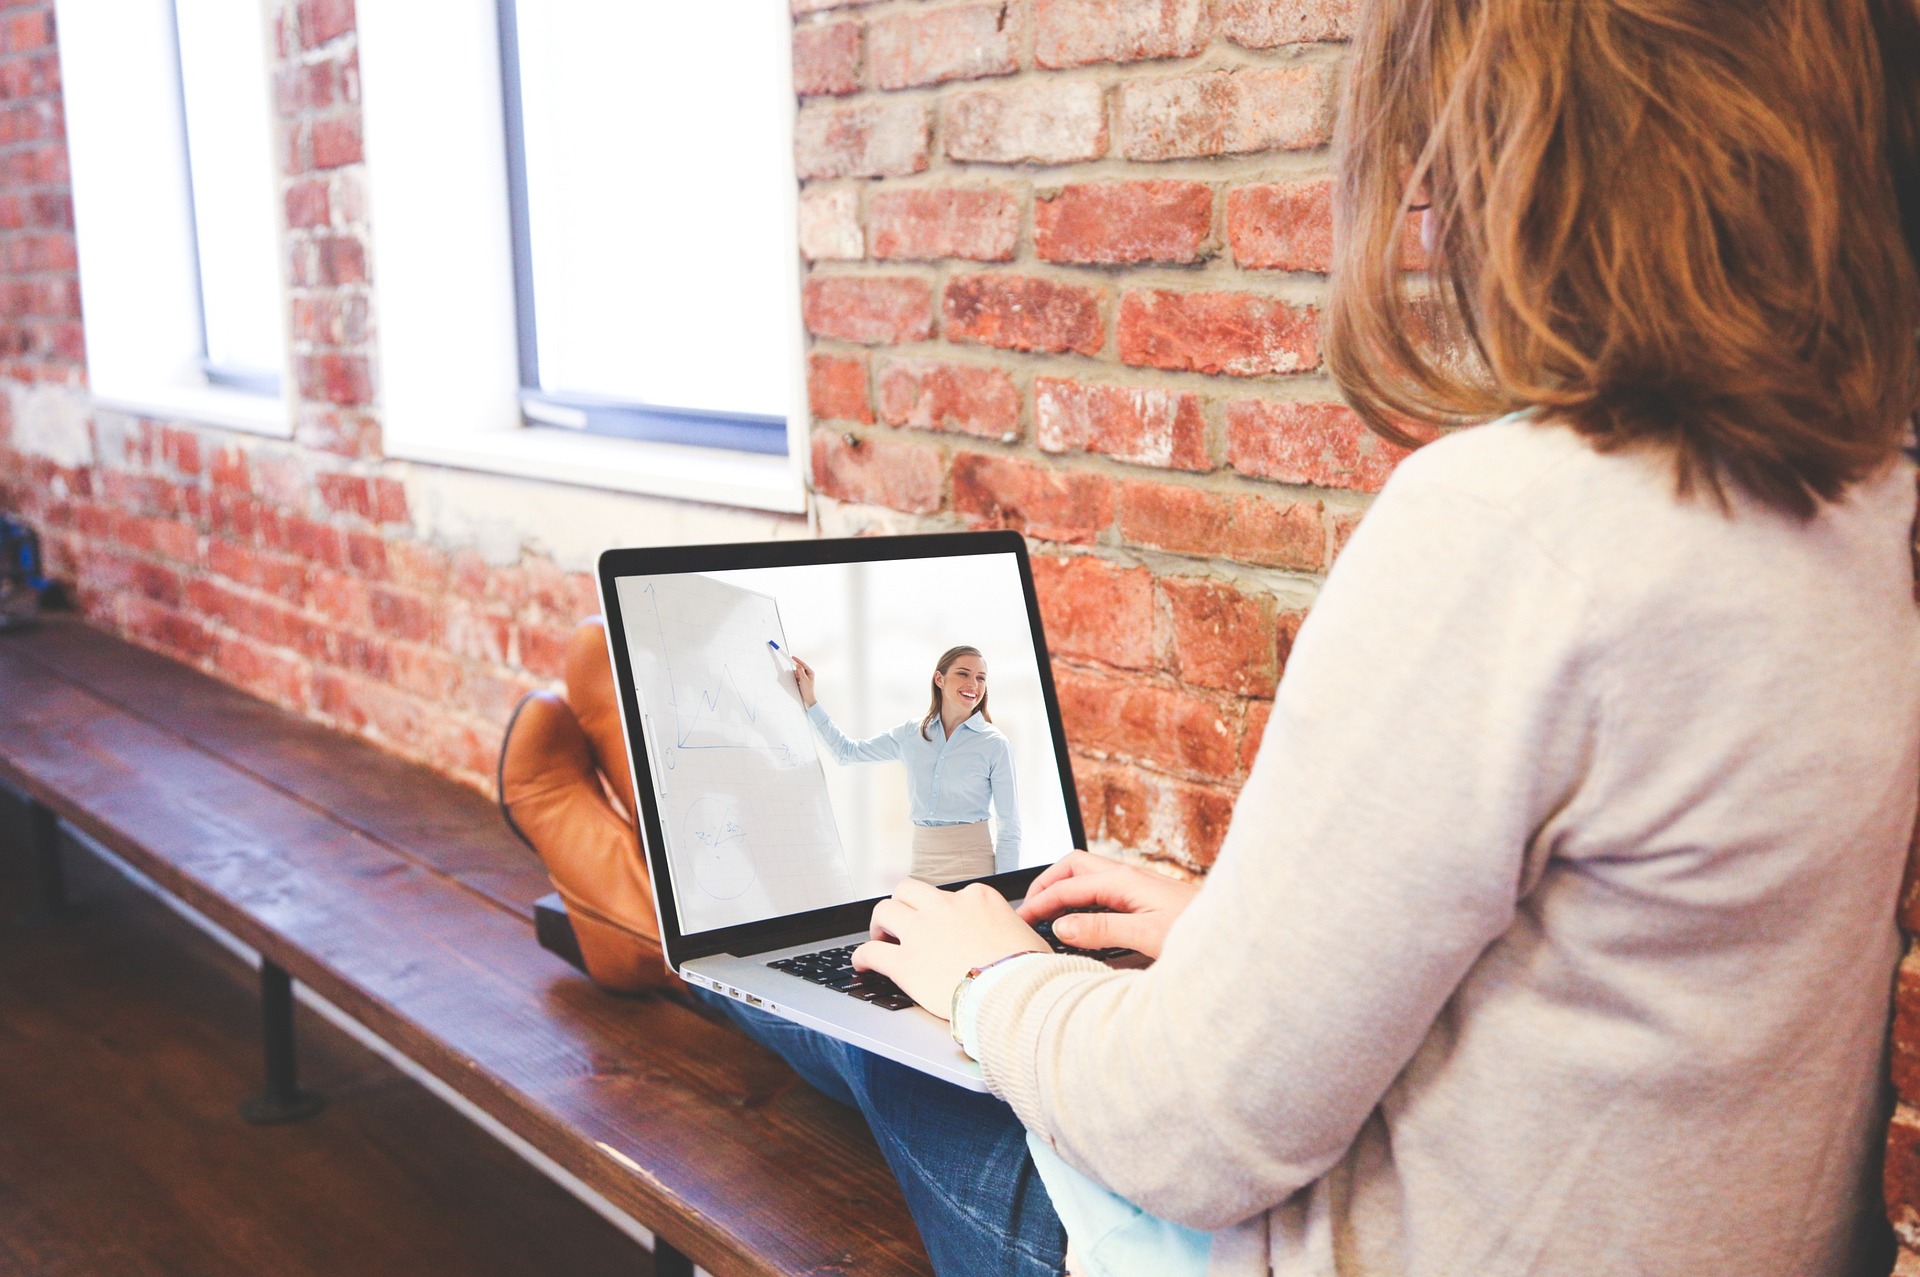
(950, 781)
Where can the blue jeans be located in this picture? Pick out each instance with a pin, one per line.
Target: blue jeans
(960, 1156)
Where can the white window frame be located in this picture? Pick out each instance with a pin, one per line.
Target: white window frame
(443, 284)
(133, 219)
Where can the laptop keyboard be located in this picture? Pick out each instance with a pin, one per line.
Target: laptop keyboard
(834, 969)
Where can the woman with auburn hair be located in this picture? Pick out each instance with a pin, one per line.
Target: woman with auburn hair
(1554, 931)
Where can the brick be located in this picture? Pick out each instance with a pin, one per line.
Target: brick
(1323, 444)
(877, 471)
(158, 626)
(324, 20)
(1113, 802)
(1239, 334)
(826, 58)
(336, 142)
(375, 499)
(1260, 712)
(1123, 223)
(29, 30)
(1266, 24)
(979, 223)
(480, 635)
(886, 138)
(933, 46)
(1282, 226)
(1020, 312)
(1159, 817)
(1905, 1057)
(1902, 1174)
(1121, 717)
(279, 575)
(800, 7)
(266, 673)
(1096, 611)
(332, 319)
(830, 224)
(342, 259)
(367, 554)
(371, 708)
(228, 469)
(308, 204)
(1032, 122)
(1071, 33)
(338, 379)
(1226, 112)
(837, 389)
(1147, 426)
(542, 649)
(1222, 638)
(1047, 503)
(931, 395)
(346, 434)
(1248, 529)
(868, 309)
(181, 450)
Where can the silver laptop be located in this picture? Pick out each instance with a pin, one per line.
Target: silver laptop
(771, 830)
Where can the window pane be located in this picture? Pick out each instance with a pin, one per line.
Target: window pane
(659, 185)
(223, 73)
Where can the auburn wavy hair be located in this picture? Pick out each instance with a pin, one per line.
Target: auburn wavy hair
(1689, 225)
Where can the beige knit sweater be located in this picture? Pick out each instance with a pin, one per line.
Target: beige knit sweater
(1555, 929)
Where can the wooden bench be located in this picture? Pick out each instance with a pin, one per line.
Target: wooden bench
(398, 897)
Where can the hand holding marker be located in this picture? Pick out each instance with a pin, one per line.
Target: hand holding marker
(802, 672)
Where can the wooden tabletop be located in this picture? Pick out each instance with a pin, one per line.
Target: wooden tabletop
(400, 897)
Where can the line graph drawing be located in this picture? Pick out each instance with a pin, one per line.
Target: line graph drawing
(749, 827)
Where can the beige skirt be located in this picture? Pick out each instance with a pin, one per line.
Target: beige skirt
(952, 853)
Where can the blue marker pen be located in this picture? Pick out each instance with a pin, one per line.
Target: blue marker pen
(777, 650)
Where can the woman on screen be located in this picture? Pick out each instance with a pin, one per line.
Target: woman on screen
(959, 765)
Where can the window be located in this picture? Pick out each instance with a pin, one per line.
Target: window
(650, 258)
(169, 132)
(455, 389)
(230, 173)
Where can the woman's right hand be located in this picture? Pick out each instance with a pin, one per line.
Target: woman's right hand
(1144, 904)
(803, 676)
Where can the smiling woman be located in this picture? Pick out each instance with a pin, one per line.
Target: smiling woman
(959, 770)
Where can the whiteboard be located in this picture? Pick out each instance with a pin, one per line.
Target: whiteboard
(743, 803)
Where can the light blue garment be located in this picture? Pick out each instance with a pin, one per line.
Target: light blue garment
(1109, 1235)
(949, 781)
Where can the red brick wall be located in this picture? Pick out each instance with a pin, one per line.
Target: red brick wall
(1064, 258)
(40, 337)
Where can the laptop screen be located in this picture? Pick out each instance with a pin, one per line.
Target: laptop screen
(768, 806)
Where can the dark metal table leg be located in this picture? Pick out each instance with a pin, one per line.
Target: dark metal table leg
(283, 1100)
(49, 877)
(668, 1262)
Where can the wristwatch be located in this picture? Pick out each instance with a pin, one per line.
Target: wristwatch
(953, 1007)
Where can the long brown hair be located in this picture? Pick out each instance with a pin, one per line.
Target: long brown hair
(1683, 224)
(947, 658)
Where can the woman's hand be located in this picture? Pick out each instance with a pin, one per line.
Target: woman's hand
(926, 939)
(803, 676)
(1144, 903)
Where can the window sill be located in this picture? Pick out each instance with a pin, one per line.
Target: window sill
(205, 405)
(753, 481)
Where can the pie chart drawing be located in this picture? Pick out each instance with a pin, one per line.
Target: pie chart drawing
(722, 862)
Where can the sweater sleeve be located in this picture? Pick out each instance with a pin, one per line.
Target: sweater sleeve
(1436, 710)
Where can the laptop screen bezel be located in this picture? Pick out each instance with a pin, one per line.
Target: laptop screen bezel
(789, 929)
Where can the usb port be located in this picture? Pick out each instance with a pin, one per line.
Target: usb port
(753, 1001)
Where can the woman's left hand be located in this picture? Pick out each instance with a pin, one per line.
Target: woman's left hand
(926, 939)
